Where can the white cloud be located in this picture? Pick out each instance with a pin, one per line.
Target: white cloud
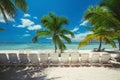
(26, 35)
(35, 17)
(25, 23)
(14, 25)
(84, 23)
(26, 15)
(2, 18)
(34, 27)
(27, 31)
(30, 25)
(79, 36)
(75, 29)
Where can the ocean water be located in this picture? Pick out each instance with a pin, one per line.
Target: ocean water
(46, 45)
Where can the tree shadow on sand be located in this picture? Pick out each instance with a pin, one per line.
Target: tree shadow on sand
(11, 73)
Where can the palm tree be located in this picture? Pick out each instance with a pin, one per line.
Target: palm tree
(103, 22)
(101, 16)
(101, 36)
(8, 7)
(53, 26)
(114, 6)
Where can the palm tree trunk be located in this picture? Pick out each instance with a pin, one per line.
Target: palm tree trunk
(100, 45)
(55, 46)
(119, 43)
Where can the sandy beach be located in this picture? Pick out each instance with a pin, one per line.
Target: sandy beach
(82, 73)
(66, 73)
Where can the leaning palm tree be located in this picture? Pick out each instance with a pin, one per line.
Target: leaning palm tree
(102, 21)
(53, 25)
(114, 7)
(98, 36)
(8, 7)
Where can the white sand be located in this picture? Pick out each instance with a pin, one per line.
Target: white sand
(82, 73)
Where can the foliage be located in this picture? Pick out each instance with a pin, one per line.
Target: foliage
(8, 7)
(103, 23)
(53, 26)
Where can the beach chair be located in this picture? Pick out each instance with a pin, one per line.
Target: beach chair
(14, 61)
(65, 60)
(34, 61)
(85, 59)
(44, 60)
(3, 60)
(95, 59)
(24, 59)
(75, 59)
(54, 59)
(105, 60)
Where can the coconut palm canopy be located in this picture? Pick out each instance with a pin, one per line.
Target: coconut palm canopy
(104, 21)
(8, 7)
(53, 25)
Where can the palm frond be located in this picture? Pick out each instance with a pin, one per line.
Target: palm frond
(67, 32)
(66, 38)
(40, 33)
(110, 40)
(60, 44)
(21, 4)
(99, 16)
(88, 39)
(3, 13)
(7, 7)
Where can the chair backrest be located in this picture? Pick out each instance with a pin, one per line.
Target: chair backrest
(43, 58)
(105, 58)
(13, 58)
(84, 57)
(54, 58)
(23, 58)
(75, 58)
(34, 58)
(3, 58)
(95, 58)
(65, 58)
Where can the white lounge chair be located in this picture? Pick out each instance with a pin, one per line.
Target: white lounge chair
(44, 61)
(95, 59)
(4, 60)
(34, 60)
(13, 58)
(24, 59)
(54, 59)
(105, 60)
(85, 59)
(75, 59)
(65, 60)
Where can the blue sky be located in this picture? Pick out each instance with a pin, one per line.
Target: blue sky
(23, 27)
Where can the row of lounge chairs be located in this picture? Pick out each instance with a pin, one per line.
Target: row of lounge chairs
(48, 60)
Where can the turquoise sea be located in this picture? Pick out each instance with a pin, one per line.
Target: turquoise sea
(46, 45)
